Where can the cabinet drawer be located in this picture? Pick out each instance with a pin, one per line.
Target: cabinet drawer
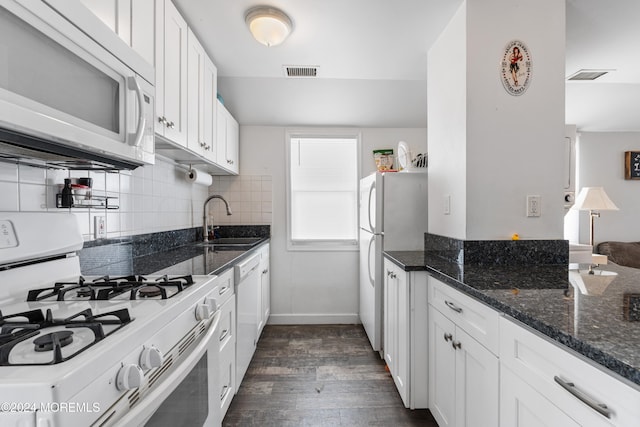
(227, 334)
(475, 318)
(544, 365)
(225, 286)
(227, 378)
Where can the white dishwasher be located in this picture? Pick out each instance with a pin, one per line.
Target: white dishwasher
(247, 283)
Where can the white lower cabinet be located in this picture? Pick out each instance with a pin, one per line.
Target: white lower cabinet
(227, 338)
(463, 373)
(264, 303)
(405, 335)
(523, 406)
(544, 384)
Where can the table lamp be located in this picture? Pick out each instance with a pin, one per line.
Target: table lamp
(593, 199)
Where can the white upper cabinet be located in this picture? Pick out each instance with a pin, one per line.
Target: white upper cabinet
(171, 73)
(227, 140)
(132, 20)
(194, 127)
(195, 94)
(210, 114)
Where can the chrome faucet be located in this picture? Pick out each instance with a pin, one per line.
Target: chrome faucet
(205, 229)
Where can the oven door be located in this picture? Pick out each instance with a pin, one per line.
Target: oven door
(187, 395)
(58, 84)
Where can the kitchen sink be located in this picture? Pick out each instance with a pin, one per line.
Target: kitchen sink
(231, 243)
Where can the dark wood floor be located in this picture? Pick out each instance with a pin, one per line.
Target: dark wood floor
(319, 375)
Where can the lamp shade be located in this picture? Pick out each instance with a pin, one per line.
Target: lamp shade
(594, 199)
(268, 25)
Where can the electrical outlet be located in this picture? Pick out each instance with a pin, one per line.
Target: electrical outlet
(447, 204)
(533, 206)
(99, 227)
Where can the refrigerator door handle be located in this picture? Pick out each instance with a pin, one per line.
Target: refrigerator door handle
(372, 240)
(371, 190)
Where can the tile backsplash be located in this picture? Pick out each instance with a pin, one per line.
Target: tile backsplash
(249, 196)
(152, 198)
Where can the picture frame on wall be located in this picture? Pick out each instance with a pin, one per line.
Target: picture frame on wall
(632, 165)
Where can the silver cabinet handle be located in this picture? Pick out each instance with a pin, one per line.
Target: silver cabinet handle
(456, 345)
(225, 389)
(265, 271)
(224, 334)
(393, 275)
(448, 337)
(162, 120)
(453, 307)
(601, 408)
(222, 290)
(171, 125)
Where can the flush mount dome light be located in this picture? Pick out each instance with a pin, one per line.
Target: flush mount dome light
(268, 25)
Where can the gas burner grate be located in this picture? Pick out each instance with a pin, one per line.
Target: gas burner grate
(105, 288)
(19, 327)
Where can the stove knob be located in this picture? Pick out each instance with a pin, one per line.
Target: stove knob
(129, 377)
(150, 358)
(203, 311)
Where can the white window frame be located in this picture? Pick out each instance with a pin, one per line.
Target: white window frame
(319, 245)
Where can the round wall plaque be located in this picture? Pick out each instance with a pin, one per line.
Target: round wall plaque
(515, 68)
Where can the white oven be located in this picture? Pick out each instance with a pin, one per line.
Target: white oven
(67, 82)
(100, 351)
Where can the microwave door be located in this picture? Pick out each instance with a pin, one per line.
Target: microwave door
(84, 96)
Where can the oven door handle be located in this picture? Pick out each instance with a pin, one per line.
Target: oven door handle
(151, 401)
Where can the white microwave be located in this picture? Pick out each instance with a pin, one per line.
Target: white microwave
(70, 87)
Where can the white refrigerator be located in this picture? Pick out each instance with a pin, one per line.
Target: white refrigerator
(393, 216)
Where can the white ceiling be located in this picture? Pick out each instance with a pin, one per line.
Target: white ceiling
(372, 56)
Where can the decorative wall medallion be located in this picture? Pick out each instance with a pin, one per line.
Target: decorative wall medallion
(515, 68)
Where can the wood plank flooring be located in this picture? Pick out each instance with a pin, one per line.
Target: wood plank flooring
(319, 375)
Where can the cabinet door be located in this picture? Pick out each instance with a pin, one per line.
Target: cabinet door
(195, 94)
(442, 368)
(175, 75)
(143, 37)
(227, 354)
(116, 14)
(221, 134)
(266, 286)
(477, 379)
(522, 406)
(403, 329)
(210, 116)
(233, 143)
(390, 315)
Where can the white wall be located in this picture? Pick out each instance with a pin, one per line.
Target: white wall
(512, 145)
(310, 287)
(600, 163)
(151, 198)
(447, 129)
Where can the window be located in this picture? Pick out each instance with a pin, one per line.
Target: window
(323, 191)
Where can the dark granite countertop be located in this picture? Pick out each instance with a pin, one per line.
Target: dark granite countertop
(598, 321)
(188, 259)
(177, 252)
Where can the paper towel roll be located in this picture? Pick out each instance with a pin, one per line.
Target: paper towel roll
(195, 176)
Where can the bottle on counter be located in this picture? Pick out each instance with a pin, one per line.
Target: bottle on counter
(66, 195)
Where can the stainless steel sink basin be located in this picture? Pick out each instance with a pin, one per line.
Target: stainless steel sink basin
(232, 242)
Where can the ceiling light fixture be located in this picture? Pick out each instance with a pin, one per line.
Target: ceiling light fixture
(268, 25)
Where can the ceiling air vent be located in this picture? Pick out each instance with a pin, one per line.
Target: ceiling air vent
(587, 75)
(295, 71)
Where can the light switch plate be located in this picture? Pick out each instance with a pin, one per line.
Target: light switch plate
(99, 227)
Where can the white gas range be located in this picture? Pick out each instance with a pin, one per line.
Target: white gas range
(99, 351)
